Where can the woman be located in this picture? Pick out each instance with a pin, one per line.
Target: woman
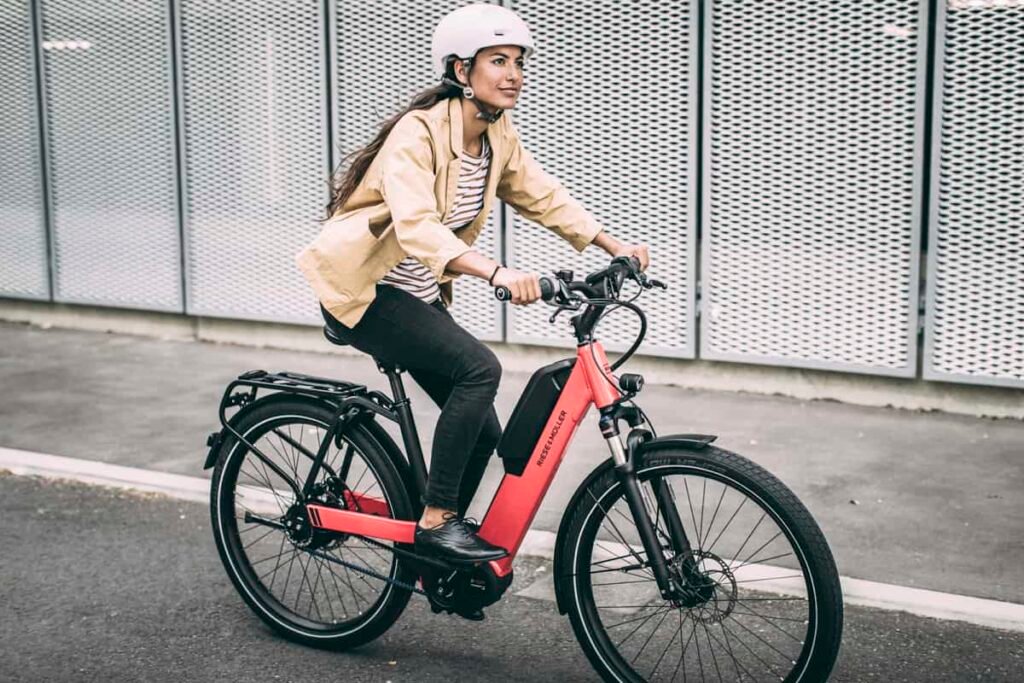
(403, 221)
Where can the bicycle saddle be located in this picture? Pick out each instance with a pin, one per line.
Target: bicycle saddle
(383, 365)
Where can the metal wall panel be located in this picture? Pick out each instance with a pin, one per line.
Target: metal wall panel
(812, 176)
(609, 108)
(107, 75)
(256, 147)
(24, 272)
(975, 297)
(382, 61)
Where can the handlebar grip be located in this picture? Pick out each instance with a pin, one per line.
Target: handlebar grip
(547, 290)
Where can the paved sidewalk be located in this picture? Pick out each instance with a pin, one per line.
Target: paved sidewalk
(927, 500)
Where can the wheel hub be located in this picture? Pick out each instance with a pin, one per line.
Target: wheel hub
(708, 590)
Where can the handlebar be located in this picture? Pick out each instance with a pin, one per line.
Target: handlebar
(620, 268)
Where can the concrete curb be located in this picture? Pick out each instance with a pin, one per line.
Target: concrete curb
(980, 611)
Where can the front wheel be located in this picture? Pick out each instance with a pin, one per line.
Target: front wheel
(764, 603)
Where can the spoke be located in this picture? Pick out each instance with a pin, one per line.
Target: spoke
(750, 535)
(635, 619)
(696, 645)
(617, 532)
(743, 501)
(777, 651)
(732, 655)
(287, 461)
(337, 589)
(266, 559)
(281, 502)
(288, 577)
(763, 546)
(689, 503)
(284, 504)
(619, 583)
(762, 560)
(359, 575)
(280, 552)
(757, 614)
(679, 632)
(319, 578)
(700, 530)
(771, 623)
(714, 515)
(610, 559)
(711, 649)
(756, 656)
(251, 543)
(312, 588)
(366, 469)
(639, 626)
(355, 594)
(649, 636)
(770, 578)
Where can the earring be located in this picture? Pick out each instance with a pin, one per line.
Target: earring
(468, 93)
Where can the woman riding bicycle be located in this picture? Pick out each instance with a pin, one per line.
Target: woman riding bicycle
(402, 223)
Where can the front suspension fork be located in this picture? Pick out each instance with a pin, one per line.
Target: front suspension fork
(641, 506)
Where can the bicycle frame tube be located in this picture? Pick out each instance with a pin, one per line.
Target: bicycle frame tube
(518, 498)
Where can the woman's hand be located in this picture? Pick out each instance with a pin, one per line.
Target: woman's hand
(525, 287)
(637, 250)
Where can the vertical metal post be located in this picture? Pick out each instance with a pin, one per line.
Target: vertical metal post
(178, 98)
(44, 147)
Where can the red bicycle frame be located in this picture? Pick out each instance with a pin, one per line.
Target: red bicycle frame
(518, 498)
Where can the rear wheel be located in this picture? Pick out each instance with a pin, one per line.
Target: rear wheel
(764, 604)
(306, 583)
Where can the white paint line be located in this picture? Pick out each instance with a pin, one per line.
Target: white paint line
(992, 613)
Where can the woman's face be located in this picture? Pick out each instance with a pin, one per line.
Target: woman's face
(496, 76)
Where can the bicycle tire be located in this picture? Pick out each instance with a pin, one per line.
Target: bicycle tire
(259, 420)
(726, 611)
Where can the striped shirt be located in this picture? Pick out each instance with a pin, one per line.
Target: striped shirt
(413, 276)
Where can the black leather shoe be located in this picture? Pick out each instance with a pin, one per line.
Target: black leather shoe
(456, 541)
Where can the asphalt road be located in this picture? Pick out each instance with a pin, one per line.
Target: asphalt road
(100, 584)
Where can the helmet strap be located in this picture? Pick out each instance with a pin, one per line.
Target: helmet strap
(467, 92)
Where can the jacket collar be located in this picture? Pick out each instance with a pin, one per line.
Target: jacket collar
(456, 125)
(455, 117)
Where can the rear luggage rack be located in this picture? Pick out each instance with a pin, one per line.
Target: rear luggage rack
(297, 383)
(351, 401)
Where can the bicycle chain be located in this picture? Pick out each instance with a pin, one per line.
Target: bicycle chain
(365, 570)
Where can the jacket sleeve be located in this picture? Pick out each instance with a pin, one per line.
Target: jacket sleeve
(540, 198)
(407, 185)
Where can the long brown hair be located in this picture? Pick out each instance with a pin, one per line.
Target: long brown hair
(359, 161)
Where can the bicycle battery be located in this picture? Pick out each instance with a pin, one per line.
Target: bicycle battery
(531, 414)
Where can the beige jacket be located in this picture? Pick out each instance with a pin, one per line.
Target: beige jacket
(399, 207)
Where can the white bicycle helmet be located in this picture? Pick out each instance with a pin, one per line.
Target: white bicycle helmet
(465, 31)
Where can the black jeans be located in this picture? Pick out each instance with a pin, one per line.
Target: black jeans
(456, 370)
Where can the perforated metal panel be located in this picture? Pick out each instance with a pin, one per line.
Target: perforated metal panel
(110, 124)
(975, 298)
(813, 133)
(609, 108)
(254, 78)
(23, 252)
(382, 61)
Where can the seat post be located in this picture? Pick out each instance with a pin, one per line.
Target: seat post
(394, 374)
(407, 424)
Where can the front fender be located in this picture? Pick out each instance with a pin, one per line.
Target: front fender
(562, 569)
